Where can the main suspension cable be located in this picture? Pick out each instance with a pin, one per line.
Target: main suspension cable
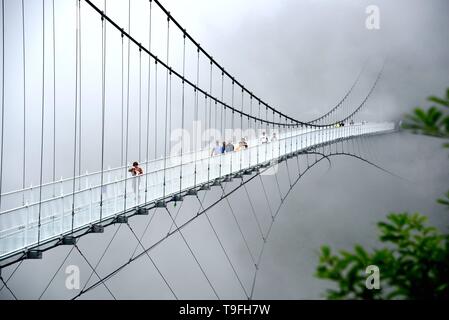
(199, 49)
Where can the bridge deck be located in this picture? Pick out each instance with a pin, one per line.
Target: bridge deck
(61, 205)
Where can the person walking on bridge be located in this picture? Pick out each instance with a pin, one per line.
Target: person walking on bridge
(229, 147)
(136, 171)
(264, 138)
(217, 149)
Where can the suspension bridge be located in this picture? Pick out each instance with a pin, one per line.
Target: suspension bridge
(106, 87)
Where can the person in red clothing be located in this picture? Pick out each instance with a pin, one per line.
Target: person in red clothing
(136, 172)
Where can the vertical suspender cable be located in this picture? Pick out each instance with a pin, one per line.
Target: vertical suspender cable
(24, 101)
(257, 132)
(103, 104)
(206, 125)
(195, 137)
(257, 125)
(54, 93)
(282, 129)
(169, 115)
(280, 135)
(148, 109)
(183, 107)
(167, 75)
(266, 118)
(122, 135)
(326, 134)
(241, 131)
(207, 128)
(290, 130)
(210, 101)
(250, 110)
(127, 107)
(286, 130)
(296, 137)
(266, 132)
(223, 115)
(233, 123)
(284, 133)
(273, 142)
(75, 136)
(222, 121)
(80, 102)
(3, 100)
(42, 125)
(206, 117)
(241, 114)
(220, 139)
(249, 122)
(155, 110)
(140, 104)
(210, 116)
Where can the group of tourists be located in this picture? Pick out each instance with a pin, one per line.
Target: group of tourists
(228, 147)
(219, 148)
(224, 147)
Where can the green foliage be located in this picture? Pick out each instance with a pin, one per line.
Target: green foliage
(433, 121)
(441, 101)
(414, 264)
(425, 122)
(445, 200)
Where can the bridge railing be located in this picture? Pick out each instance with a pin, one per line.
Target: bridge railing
(60, 214)
(66, 186)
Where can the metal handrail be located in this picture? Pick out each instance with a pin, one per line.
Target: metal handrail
(89, 174)
(145, 174)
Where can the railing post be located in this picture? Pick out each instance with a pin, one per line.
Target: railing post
(62, 211)
(61, 187)
(115, 194)
(87, 179)
(91, 203)
(31, 193)
(109, 173)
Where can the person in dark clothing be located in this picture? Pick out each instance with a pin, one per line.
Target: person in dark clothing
(229, 147)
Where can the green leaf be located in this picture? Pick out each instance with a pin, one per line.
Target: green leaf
(432, 122)
(441, 101)
(444, 201)
(413, 266)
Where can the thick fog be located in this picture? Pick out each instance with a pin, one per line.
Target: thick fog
(300, 57)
